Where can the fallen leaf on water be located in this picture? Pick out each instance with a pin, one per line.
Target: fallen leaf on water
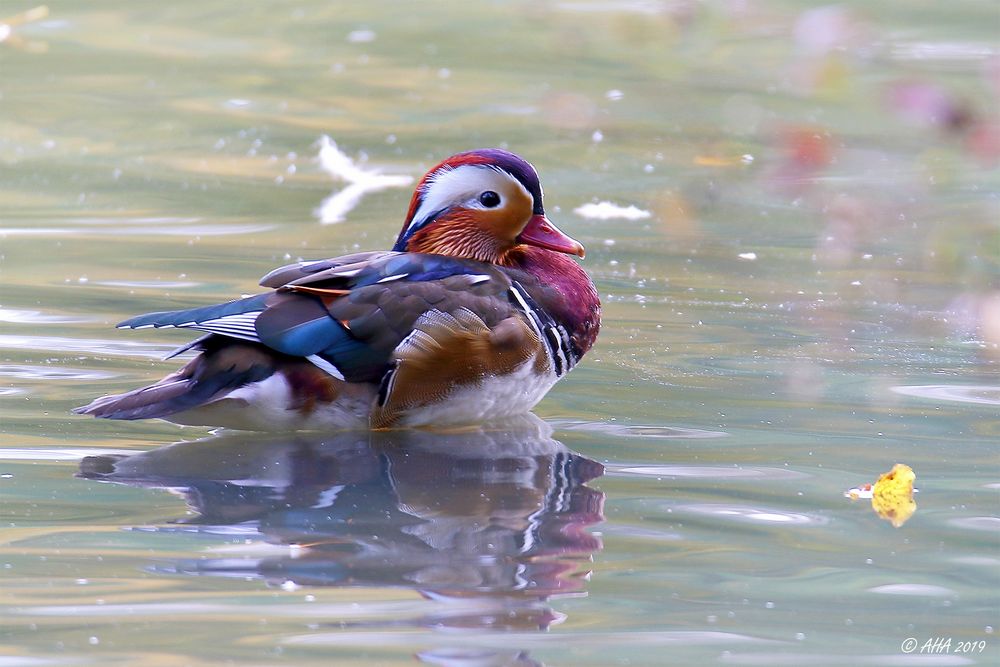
(891, 494)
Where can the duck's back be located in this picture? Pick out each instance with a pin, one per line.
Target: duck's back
(384, 339)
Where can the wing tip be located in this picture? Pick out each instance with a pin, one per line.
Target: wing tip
(98, 407)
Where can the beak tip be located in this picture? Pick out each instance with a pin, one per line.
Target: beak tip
(540, 232)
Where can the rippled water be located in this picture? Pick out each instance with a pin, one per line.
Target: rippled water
(802, 292)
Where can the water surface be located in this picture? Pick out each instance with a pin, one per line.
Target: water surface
(812, 298)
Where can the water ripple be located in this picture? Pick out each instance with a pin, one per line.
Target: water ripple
(94, 346)
(139, 220)
(206, 529)
(640, 533)
(797, 659)
(922, 51)
(38, 317)
(746, 513)
(709, 472)
(138, 609)
(989, 523)
(25, 661)
(55, 453)
(981, 394)
(913, 589)
(502, 640)
(977, 561)
(186, 230)
(52, 373)
(639, 431)
(148, 284)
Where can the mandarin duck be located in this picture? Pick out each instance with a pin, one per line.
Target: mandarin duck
(473, 315)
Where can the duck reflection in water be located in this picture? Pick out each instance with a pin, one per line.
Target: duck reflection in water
(493, 516)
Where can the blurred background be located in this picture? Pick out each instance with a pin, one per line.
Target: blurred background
(791, 213)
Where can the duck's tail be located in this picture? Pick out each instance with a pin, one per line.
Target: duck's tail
(223, 365)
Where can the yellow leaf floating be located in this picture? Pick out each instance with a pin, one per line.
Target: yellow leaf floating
(892, 495)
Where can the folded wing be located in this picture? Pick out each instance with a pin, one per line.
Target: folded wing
(349, 314)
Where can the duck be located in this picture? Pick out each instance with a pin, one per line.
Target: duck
(479, 308)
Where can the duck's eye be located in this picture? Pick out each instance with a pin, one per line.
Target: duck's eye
(489, 199)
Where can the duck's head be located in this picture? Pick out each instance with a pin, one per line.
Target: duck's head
(481, 205)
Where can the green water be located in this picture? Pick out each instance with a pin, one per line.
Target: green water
(813, 298)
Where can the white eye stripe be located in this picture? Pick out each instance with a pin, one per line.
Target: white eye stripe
(461, 185)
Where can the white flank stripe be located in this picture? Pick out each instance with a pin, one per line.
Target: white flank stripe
(559, 348)
(389, 279)
(520, 299)
(530, 316)
(528, 312)
(324, 365)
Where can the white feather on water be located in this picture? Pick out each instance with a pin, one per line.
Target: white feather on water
(360, 182)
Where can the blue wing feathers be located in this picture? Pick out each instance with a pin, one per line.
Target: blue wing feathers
(304, 338)
(356, 333)
(298, 325)
(180, 318)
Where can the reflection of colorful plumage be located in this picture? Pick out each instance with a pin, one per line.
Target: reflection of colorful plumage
(475, 314)
(499, 518)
